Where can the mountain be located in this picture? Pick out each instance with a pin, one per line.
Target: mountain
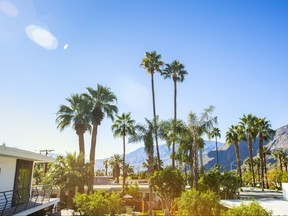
(227, 156)
(137, 157)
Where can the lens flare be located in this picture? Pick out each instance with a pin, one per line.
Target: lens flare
(42, 37)
(8, 8)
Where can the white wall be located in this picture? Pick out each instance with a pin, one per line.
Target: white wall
(7, 173)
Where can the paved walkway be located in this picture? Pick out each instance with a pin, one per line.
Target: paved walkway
(269, 199)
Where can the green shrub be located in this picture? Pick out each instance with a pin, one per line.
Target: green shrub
(251, 209)
(285, 177)
(225, 184)
(194, 202)
(98, 203)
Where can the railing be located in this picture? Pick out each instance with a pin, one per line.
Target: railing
(14, 201)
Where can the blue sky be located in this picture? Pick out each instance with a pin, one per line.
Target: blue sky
(234, 51)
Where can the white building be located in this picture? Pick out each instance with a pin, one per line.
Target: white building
(17, 196)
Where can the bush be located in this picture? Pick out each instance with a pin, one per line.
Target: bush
(194, 202)
(98, 203)
(225, 184)
(285, 177)
(251, 209)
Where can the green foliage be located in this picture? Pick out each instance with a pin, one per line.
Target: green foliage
(98, 203)
(194, 202)
(251, 209)
(168, 183)
(247, 178)
(225, 184)
(275, 177)
(285, 177)
(133, 190)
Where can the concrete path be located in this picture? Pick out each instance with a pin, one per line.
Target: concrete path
(269, 199)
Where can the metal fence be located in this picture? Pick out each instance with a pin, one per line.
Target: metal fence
(15, 201)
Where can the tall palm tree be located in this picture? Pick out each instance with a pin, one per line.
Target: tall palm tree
(115, 162)
(77, 114)
(122, 127)
(198, 126)
(248, 126)
(152, 63)
(145, 132)
(214, 134)
(265, 133)
(234, 135)
(175, 71)
(103, 104)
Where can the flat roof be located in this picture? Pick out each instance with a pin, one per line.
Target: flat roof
(23, 154)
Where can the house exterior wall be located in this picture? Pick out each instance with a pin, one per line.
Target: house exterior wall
(7, 174)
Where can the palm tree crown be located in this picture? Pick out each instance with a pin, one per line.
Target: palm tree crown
(175, 71)
(77, 114)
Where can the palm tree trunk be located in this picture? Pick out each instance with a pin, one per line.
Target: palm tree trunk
(265, 171)
(217, 159)
(155, 123)
(251, 158)
(150, 161)
(124, 152)
(201, 161)
(81, 142)
(82, 151)
(92, 155)
(174, 125)
(238, 160)
(71, 194)
(261, 160)
(195, 171)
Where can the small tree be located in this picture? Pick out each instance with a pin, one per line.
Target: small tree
(194, 202)
(168, 184)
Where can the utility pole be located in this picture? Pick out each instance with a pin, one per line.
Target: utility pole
(46, 153)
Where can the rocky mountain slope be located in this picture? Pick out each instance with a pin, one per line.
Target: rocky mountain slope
(227, 156)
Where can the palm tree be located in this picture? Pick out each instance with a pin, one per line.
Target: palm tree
(279, 154)
(115, 162)
(67, 173)
(106, 163)
(152, 63)
(265, 133)
(248, 126)
(234, 135)
(103, 104)
(175, 71)
(144, 132)
(199, 126)
(266, 152)
(77, 114)
(122, 127)
(214, 134)
(171, 132)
